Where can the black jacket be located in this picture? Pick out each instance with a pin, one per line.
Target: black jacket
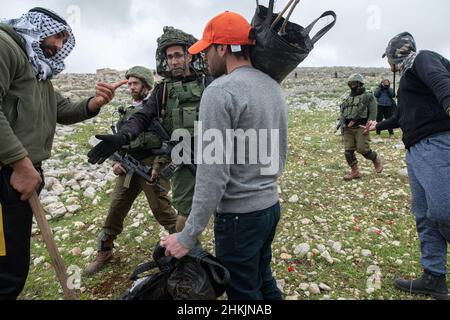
(423, 99)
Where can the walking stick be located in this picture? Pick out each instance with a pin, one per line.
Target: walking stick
(283, 27)
(53, 251)
(281, 13)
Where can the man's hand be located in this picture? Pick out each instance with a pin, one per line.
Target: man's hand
(155, 175)
(351, 124)
(109, 145)
(104, 93)
(448, 112)
(25, 179)
(118, 169)
(173, 248)
(370, 126)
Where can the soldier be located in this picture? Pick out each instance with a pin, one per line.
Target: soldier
(32, 51)
(359, 107)
(140, 83)
(175, 101)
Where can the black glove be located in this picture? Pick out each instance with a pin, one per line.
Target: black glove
(109, 145)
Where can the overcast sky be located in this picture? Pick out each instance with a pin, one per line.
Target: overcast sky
(121, 34)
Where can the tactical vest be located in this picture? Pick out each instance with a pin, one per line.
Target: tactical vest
(182, 105)
(146, 140)
(357, 107)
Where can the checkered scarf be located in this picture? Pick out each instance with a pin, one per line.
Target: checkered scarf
(402, 51)
(34, 27)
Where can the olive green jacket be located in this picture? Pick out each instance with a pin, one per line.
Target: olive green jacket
(29, 109)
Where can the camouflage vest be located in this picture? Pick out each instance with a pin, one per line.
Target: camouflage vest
(357, 107)
(182, 106)
(145, 140)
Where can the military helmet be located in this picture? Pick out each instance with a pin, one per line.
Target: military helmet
(356, 78)
(142, 73)
(171, 37)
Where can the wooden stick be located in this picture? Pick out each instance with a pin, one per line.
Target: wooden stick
(53, 251)
(281, 14)
(283, 27)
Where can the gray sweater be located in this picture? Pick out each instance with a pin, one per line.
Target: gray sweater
(246, 99)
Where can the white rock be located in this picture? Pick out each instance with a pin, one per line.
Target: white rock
(57, 189)
(93, 141)
(38, 261)
(326, 255)
(305, 221)
(324, 287)
(88, 252)
(139, 239)
(135, 225)
(293, 199)
(89, 193)
(396, 243)
(314, 288)
(280, 284)
(321, 248)
(301, 250)
(319, 220)
(49, 200)
(366, 253)
(73, 208)
(79, 225)
(337, 247)
(403, 172)
(303, 286)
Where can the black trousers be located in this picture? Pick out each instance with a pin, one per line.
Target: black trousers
(17, 221)
(384, 113)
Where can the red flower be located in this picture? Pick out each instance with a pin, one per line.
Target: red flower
(357, 229)
(290, 269)
(388, 222)
(392, 210)
(378, 232)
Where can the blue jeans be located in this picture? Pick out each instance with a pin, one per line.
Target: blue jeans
(429, 174)
(244, 246)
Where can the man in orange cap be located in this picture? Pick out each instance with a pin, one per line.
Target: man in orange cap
(243, 193)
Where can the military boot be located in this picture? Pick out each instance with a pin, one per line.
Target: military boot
(378, 166)
(354, 174)
(104, 255)
(428, 284)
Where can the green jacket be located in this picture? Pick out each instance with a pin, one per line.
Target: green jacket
(29, 109)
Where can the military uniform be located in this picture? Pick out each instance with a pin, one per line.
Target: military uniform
(358, 108)
(176, 103)
(124, 194)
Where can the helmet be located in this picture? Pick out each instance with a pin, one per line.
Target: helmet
(356, 78)
(142, 73)
(170, 37)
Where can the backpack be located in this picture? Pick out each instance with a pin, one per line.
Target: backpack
(197, 276)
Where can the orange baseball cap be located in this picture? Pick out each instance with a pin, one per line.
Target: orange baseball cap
(227, 28)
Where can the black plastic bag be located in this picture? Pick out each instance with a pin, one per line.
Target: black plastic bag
(198, 276)
(278, 54)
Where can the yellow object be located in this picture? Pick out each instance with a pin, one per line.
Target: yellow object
(2, 236)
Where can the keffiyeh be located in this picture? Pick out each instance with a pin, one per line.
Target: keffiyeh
(34, 27)
(402, 51)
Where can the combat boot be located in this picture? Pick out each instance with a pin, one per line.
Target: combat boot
(104, 255)
(428, 284)
(354, 174)
(378, 166)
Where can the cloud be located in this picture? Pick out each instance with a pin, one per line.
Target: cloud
(120, 34)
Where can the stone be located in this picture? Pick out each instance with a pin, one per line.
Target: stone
(301, 250)
(293, 199)
(314, 288)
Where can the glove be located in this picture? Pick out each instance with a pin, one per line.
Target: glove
(109, 145)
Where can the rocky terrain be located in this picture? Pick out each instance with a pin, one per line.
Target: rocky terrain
(335, 240)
